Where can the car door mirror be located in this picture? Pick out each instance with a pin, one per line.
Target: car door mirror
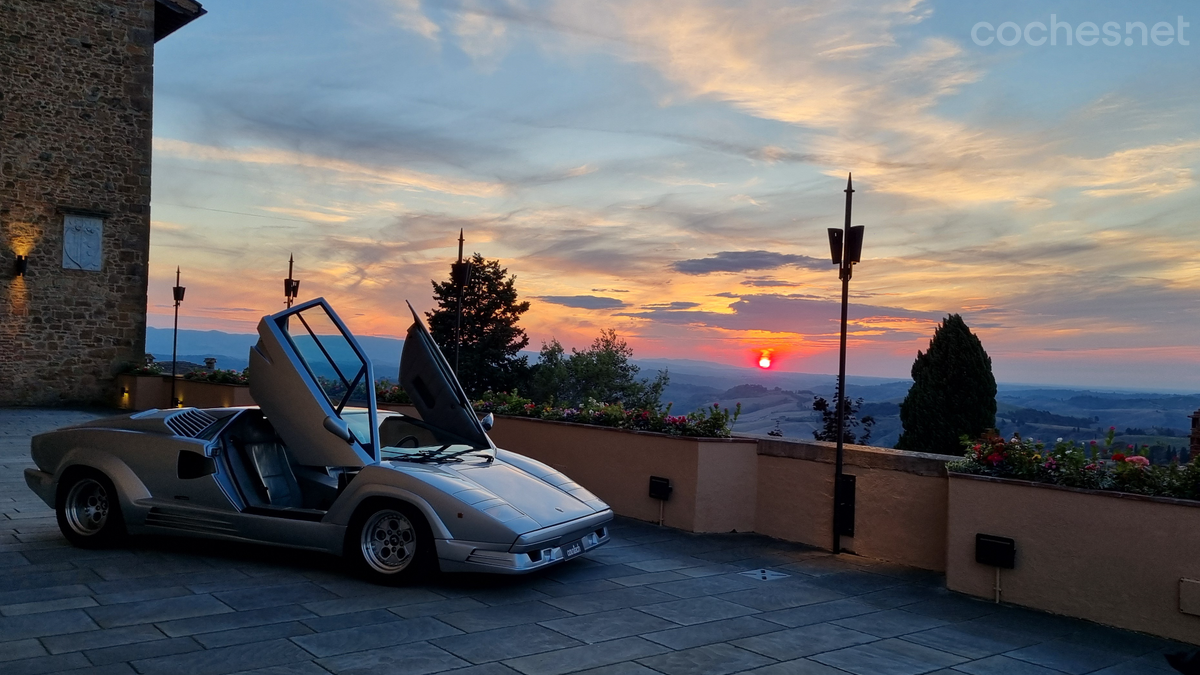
(194, 465)
(488, 422)
(339, 428)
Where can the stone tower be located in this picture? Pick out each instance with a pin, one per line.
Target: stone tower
(76, 101)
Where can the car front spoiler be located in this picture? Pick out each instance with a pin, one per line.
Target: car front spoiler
(42, 485)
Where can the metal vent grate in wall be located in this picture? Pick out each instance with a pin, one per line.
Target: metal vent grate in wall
(189, 422)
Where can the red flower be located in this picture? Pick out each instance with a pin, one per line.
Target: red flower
(995, 458)
(1118, 457)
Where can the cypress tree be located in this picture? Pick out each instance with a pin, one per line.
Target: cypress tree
(953, 392)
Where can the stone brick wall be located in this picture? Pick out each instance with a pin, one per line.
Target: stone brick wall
(76, 88)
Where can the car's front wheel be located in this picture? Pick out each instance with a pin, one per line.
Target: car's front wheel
(390, 543)
(88, 510)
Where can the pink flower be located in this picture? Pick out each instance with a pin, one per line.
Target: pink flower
(1138, 460)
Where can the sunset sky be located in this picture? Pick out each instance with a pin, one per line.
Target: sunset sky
(669, 168)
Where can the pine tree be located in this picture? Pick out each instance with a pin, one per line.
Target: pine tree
(953, 392)
(491, 338)
(850, 420)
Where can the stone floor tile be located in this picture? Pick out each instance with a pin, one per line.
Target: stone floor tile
(953, 608)
(473, 620)
(504, 643)
(902, 596)
(888, 657)
(805, 615)
(1002, 665)
(649, 578)
(601, 626)
(568, 574)
(587, 603)
(588, 656)
(436, 608)
(774, 595)
(99, 639)
(1105, 638)
(45, 624)
(623, 668)
(692, 611)
(45, 664)
(802, 667)
(327, 624)
(418, 659)
(362, 638)
(46, 606)
(141, 650)
(154, 611)
(21, 649)
(224, 660)
(556, 589)
(1067, 657)
(300, 668)
(383, 599)
(973, 642)
(667, 564)
(718, 659)
(853, 582)
(795, 643)
(51, 593)
(271, 596)
(246, 619)
(156, 593)
(239, 636)
(1137, 667)
(712, 632)
(22, 582)
(890, 623)
(708, 585)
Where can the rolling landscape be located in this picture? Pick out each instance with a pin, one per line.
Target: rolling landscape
(777, 400)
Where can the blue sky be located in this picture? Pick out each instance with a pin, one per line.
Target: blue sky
(668, 169)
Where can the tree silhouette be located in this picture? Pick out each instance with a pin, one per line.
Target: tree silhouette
(491, 338)
(850, 420)
(953, 392)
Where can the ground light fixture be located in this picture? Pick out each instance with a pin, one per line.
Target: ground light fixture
(845, 248)
(177, 292)
(21, 266)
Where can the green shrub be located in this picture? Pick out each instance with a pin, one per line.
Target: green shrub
(219, 376)
(708, 422)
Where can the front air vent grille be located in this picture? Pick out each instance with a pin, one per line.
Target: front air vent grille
(190, 422)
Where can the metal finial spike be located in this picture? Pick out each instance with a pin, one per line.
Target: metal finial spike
(849, 182)
(291, 259)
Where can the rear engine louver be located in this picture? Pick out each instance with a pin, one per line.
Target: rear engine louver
(189, 423)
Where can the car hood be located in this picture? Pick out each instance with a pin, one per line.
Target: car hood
(542, 502)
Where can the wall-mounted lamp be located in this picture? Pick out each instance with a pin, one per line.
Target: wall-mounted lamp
(22, 265)
(124, 391)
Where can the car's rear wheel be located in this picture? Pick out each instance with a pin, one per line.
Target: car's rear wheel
(389, 542)
(88, 510)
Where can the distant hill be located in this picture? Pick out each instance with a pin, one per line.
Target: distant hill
(772, 398)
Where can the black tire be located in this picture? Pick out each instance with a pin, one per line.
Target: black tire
(89, 510)
(389, 542)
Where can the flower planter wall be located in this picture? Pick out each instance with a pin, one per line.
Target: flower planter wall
(143, 392)
(1112, 558)
(714, 479)
(197, 394)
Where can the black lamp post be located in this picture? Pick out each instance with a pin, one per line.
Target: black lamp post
(177, 291)
(291, 287)
(21, 266)
(845, 247)
(462, 277)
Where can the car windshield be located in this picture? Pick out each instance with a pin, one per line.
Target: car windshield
(408, 439)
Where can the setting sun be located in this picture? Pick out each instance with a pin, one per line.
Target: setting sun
(764, 361)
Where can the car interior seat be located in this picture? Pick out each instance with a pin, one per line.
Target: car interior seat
(268, 459)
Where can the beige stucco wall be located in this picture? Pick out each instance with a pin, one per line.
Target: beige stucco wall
(193, 394)
(900, 505)
(712, 478)
(1116, 560)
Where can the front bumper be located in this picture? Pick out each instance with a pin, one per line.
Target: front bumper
(528, 554)
(42, 485)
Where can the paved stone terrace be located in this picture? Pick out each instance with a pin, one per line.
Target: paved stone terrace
(652, 601)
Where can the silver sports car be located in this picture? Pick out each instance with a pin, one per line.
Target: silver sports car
(317, 466)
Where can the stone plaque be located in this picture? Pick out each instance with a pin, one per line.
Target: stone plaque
(81, 242)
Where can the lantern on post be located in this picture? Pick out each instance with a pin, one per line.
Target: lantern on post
(291, 287)
(176, 292)
(845, 248)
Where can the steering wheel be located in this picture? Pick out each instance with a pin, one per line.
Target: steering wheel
(414, 439)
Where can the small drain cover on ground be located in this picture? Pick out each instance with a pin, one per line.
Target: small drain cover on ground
(764, 575)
